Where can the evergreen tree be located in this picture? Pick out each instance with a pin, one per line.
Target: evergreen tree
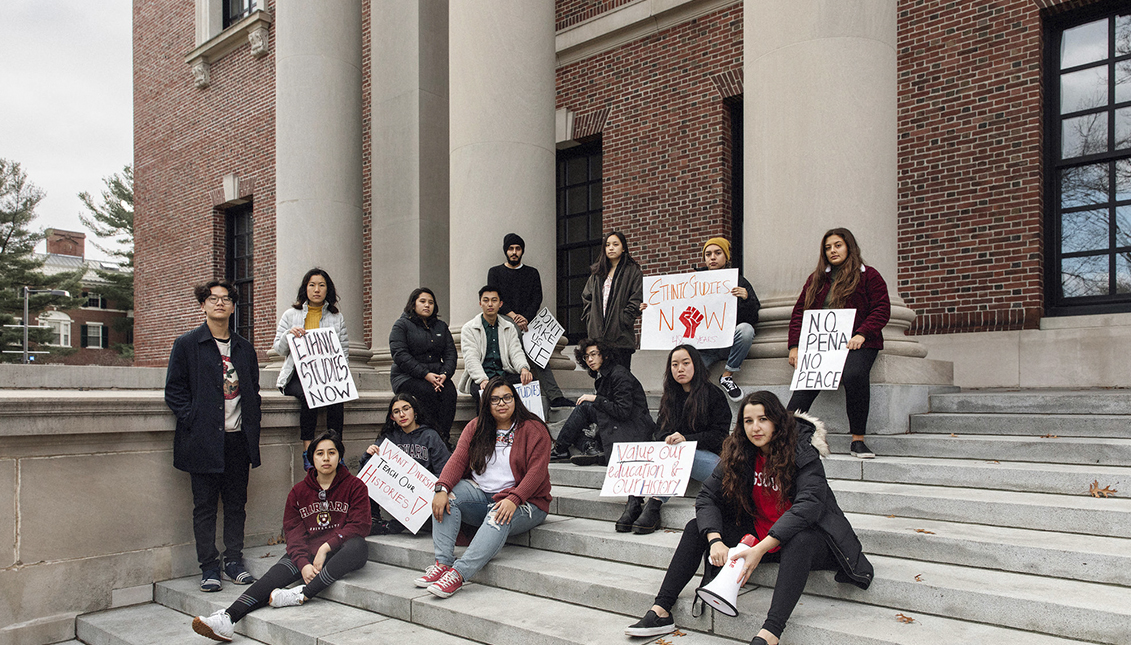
(113, 219)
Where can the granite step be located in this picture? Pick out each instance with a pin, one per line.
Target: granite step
(1081, 402)
(1102, 451)
(148, 624)
(1063, 425)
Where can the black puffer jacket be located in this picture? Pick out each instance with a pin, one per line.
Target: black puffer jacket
(814, 505)
(622, 407)
(418, 350)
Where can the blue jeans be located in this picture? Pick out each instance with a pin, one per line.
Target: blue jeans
(736, 353)
(702, 466)
(471, 505)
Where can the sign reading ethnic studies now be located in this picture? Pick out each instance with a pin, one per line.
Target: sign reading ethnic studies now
(694, 309)
(400, 485)
(322, 368)
(645, 468)
(822, 349)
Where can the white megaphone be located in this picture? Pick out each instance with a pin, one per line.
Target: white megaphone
(722, 592)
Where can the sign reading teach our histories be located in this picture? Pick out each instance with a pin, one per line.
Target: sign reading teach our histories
(689, 309)
(645, 468)
(541, 337)
(322, 368)
(822, 349)
(400, 485)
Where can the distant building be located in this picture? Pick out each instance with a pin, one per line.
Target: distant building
(90, 328)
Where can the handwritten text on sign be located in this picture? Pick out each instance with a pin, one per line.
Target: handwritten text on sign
(648, 468)
(541, 337)
(400, 485)
(322, 368)
(689, 309)
(822, 349)
(531, 396)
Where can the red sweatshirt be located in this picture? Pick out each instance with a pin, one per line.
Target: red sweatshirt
(530, 464)
(309, 522)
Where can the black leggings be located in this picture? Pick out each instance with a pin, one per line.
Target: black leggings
(440, 407)
(308, 417)
(350, 557)
(805, 552)
(857, 390)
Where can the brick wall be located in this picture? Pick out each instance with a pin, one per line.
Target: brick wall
(571, 12)
(665, 143)
(185, 140)
(366, 172)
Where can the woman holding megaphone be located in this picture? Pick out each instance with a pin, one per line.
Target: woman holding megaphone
(769, 483)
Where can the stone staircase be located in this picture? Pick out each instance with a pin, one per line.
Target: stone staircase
(980, 529)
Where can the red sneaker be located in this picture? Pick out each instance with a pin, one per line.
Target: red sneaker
(433, 573)
(446, 585)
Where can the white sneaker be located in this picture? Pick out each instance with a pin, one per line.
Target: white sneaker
(287, 597)
(218, 626)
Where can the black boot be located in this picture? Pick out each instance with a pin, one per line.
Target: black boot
(649, 520)
(590, 454)
(559, 453)
(631, 511)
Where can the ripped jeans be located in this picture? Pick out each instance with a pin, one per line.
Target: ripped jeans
(471, 505)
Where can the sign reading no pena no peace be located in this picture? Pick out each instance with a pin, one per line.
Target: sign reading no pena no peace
(541, 337)
(400, 485)
(694, 309)
(822, 349)
(322, 368)
(648, 468)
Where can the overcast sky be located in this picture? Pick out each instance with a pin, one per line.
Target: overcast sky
(66, 99)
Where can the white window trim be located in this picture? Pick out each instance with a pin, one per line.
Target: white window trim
(65, 322)
(213, 42)
(101, 334)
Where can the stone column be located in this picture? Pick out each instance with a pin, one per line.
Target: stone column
(820, 150)
(502, 152)
(410, 160)
(318, 153)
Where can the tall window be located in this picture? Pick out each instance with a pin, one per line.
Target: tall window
(234, 10)
(1090, 104)
(579, 229)
(239, 266)
(60, 324)
(93, 335)
(736, 185)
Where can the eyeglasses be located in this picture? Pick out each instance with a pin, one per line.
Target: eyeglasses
(593, 354)
(215, 300)
(505, 399)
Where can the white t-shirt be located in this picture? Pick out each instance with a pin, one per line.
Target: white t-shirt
(232, 418)
(498, 476)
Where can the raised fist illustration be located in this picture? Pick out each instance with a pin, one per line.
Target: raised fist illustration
(691, 317)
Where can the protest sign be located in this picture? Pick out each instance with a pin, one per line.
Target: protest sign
(694, 309)
(541, 337)
(531, 396)
(822, 349)
(648, 468)
(400, 485)
(322, 368)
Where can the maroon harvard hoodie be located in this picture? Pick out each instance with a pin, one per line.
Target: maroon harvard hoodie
(310, 521)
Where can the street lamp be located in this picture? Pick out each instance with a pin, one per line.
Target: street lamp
(28, 292)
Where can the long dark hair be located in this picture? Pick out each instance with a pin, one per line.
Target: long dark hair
(697, 398)
(331, 302)
(847, 275)
(738, 453)
(410, 307)
(391, 426)
(482, 445)
(601, 267)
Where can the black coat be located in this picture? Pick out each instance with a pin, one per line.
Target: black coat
(814, 505)
(711, 427)
(194, 391)
(418, 350)
(618, 328)
(622, 408)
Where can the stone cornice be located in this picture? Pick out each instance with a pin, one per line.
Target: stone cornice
(253, 29)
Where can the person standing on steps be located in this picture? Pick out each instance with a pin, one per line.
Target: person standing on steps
(424, 360)
(691, 409)
(325, 521)
(842, 281)
(212, 386)
(315, 307)
(520, 287)
(610, 301)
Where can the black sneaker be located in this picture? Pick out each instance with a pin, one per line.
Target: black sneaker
(651, 625)
(238, 573)
(559, 453)
(561, 402)
(379, 527)
(732, 390)
(210, 580)
(861, 451)
(590, 455)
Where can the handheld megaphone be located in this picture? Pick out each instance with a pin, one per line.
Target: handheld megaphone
(722, 592)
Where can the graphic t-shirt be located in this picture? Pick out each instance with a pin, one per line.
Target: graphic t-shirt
(232, 419)
(498, 476)
(765, 495)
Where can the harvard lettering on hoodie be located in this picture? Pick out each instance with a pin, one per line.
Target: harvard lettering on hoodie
(310, 521)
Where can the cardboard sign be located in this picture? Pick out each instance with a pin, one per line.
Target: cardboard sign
(322, 368)
(822, 349)
(648, 468)
(400, 485)
(541, 337)
(694, 309)
(531, 396)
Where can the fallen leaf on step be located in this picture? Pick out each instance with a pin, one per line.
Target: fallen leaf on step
(663, 642)
(891, 516)
(678, 633)
(1049, 436)
(924, 531)
(918, 577)
(1096, 491)
(267, 555)
(953, 435)
(993, 462)
(904, 619)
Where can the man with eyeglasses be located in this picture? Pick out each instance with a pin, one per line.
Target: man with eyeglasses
(491, 347)
(212, 386)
